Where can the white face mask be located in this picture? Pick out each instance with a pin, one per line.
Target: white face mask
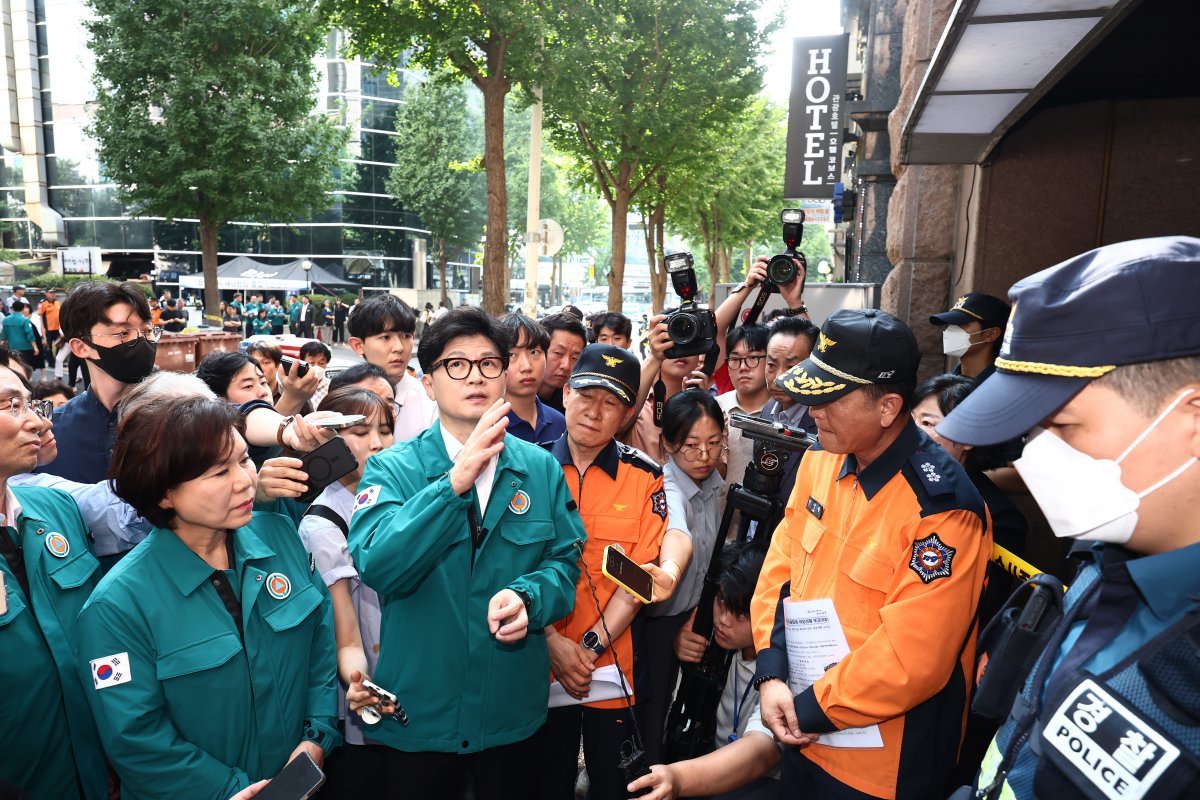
(1083, 497)
(955, 341)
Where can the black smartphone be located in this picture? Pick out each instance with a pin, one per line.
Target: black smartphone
(299, 780)
(301, 366)
(628, 574)
(325, 465)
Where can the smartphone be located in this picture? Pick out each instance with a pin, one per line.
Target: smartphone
(628, 574)
(325, 465)
(301, 366)
(299, 780)
(340, 421)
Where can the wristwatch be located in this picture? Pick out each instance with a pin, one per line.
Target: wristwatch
(591, 641)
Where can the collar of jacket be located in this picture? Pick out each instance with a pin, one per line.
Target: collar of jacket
(606, 460)
(188, 570)
(884, 468)
(432, 451)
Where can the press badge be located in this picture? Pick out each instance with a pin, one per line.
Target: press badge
(1108, 745)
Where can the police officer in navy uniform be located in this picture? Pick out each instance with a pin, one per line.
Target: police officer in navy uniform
(1103, 354)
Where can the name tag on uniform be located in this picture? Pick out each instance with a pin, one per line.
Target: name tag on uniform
(815, 508)
(1107, 744)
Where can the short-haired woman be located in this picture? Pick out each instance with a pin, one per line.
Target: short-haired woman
(209, 650)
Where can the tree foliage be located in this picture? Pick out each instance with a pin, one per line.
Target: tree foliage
(437, 174)
(204, 110)
(494, 44)
(637, 86)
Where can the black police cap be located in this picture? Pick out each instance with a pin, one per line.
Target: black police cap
(988, 311)
(1126, 303)
(856, 348)
(608, 367)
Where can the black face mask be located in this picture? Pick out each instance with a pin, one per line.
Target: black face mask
(128, 362)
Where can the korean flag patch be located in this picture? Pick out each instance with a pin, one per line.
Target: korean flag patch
(366, 498)
(931, 558)
(111, 670)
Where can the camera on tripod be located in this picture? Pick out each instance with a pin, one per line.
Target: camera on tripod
(692, 328)
(772, 443)
(781, 269)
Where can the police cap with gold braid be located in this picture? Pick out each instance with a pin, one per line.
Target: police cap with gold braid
(856, 347)
(608, 367)
(1125, 303)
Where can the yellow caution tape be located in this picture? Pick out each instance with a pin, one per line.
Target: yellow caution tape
(1018, 567)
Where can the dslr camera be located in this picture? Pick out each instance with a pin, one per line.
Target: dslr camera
(781, 269)
(692, 328)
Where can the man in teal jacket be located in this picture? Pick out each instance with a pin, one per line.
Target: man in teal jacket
(469, 536)
(48, 742)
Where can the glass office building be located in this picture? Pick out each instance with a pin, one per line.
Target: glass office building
(56, 195)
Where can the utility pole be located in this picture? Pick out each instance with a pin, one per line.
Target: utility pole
(533, 210)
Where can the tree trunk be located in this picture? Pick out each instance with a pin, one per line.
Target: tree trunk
(726, 263)
(620, 219)
(495, 249)
(441, 262)
(208, 258)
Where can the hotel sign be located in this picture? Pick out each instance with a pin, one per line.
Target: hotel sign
(816, 117)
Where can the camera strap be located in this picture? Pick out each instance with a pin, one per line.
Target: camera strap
(760, 302)
(660, 398)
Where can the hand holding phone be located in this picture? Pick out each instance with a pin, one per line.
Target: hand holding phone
(299, 780)
(301, 366)
(628, 574)
(326, 464)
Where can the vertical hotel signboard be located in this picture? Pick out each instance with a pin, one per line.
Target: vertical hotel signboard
(816, 116)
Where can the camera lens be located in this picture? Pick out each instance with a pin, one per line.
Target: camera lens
(682, 328)
(781, 269)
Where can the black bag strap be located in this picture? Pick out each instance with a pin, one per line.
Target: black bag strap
(325, 512)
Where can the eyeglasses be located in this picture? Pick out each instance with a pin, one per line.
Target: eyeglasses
(460, 368)
(19, 405)
(150, 334)
(695, 452)
(751, 362)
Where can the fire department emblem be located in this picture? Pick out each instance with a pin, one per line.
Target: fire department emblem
(931, 558)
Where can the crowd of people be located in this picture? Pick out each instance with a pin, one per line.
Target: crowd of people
(187, 605)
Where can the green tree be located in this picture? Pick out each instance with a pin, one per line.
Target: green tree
(638, 84)
(204, 110)
(493, 44)
(438, 142)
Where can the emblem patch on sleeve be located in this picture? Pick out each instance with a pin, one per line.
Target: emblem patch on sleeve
(366, 498)
(111, 670)
(658, 503)
(931, 558)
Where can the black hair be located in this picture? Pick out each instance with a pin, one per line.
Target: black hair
(740, 564)
(44, 389)
(356, 375)
(535, 334)
(271, 351)
(615, 321)
(684, 409)
(89, 302)
(380, 314)
(755, 336)
(564, 322)
(19, 305)
(217, 370)
(462, 321)
(315, 349)
(873, 392)
(355, 400)
(794, 326)
(950, 390)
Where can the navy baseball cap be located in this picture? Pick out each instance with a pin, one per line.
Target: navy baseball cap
(1126, 303)
(988, 311)
(856, 348)
(609, 367)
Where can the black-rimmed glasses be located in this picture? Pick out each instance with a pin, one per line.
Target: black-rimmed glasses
(460, 368)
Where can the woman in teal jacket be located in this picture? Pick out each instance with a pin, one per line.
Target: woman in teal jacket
(208, 653)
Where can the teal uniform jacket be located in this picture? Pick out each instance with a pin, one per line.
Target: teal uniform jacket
(188, 707)
(48, 742)
(411, 541)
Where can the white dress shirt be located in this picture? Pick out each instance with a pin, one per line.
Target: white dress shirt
(417, 412)
(483, 484)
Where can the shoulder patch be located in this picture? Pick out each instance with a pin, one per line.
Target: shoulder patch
(931, 558)
(366, 498)
(634, 457)
(940, 483)
(658, 503)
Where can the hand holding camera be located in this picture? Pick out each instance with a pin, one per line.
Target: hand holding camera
(692, 327)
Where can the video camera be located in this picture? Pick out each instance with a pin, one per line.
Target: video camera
(692, 328)
(772, 442)
(781, 269)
